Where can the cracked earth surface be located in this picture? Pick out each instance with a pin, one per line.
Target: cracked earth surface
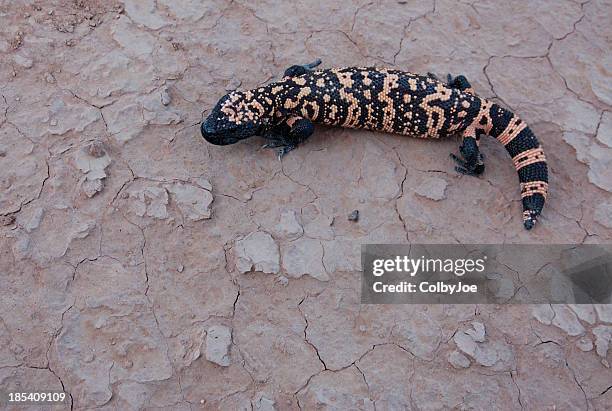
(142, 268)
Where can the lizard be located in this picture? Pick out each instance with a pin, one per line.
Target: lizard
(384, 100)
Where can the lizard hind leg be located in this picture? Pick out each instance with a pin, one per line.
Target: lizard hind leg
(299, 69)
(471, 161)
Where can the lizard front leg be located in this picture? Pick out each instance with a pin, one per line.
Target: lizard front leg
(472, 160)
(287, 134)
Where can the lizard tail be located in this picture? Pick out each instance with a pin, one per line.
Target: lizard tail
(528, 158)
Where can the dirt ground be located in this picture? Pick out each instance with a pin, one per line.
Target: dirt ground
(141, 267)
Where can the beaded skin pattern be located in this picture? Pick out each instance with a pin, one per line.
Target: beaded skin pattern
(383, 100)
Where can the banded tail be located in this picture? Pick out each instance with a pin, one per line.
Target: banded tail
(528, 158)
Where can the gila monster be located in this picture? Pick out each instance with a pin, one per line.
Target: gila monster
(384, 100)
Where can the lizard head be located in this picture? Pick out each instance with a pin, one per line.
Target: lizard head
(237, 116)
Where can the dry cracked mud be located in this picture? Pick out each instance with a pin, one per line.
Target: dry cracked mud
(141, 268)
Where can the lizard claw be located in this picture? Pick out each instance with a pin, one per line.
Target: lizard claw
(458, 160)
(273, 144)
(284, 150)
(470, 169)
(313, 64)
(465, 171)
(432, 75)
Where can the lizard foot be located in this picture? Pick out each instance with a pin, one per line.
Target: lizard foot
(277, 140)
(471, 161)
(299, 69)
(470, 168)
(282, 147)
(459, 82)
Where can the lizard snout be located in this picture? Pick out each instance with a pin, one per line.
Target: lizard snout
(213, 137)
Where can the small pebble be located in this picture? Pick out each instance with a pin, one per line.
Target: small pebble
(180, 268)
(354, 215)
(7, 219)
(584, 344)
(96, 149)
(88, 357)
(92, 187)
(165, 97)
(458, 360)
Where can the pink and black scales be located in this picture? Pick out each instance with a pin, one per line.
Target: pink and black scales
(384, 100)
